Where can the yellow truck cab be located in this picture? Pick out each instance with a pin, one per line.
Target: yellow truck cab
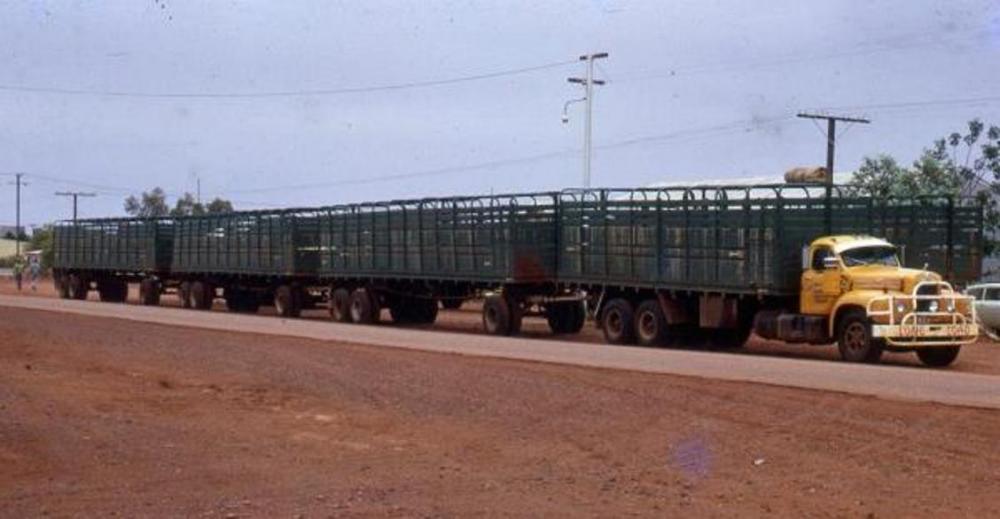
(856, 287)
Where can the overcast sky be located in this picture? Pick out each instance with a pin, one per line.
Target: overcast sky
(696, 90)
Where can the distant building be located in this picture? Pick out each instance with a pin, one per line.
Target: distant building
(10, 229)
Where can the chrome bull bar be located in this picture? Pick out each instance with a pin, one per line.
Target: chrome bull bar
(914, 328)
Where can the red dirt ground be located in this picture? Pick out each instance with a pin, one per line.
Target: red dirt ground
(111, 417)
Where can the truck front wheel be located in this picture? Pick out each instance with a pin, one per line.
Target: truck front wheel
(938, 357)
(854, 338)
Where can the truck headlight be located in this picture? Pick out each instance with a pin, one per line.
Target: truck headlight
(900, 307)
(951, 306)
(933, 307)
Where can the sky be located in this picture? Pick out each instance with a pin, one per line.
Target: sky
(307, 103)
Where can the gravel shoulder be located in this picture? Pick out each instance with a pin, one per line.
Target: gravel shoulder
(105, 416)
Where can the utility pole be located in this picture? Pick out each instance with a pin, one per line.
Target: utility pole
(17, 204)
(74, 194)
(588, 85)
(831, 149)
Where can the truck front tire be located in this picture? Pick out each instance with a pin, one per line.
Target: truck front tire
(854, 338)
(938, 357)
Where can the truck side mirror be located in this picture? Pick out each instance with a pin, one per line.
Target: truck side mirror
(831, 263)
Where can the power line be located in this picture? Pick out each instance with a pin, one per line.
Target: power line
(284, 93)
(746, 124)
(728, 66)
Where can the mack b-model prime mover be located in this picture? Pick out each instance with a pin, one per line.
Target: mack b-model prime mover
(686, 266)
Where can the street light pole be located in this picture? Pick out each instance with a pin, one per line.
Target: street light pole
(74, 194)
(588, 83)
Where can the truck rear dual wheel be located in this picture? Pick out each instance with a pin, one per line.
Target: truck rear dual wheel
(149, 292)
(854, 338)
(566, 317)
(651, 325)
(501, 315)
(618, 322)
(938, 357)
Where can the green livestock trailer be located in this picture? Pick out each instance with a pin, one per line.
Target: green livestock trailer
(692, 252)
(109, 252)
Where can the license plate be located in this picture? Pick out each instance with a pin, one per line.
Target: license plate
(913, 331)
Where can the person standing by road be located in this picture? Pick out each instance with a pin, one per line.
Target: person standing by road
(18, 273)
(35, 267)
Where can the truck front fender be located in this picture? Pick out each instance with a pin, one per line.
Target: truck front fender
(854, 298)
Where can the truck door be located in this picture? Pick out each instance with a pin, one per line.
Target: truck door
(820, 284)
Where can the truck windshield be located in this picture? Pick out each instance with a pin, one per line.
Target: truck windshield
(876, 255)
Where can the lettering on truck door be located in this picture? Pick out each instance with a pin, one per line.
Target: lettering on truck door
(820, 285)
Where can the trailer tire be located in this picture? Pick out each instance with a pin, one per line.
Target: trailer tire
(78, 287)
(286, 301)
(497, 315)
(650, 324)
(340, 305)
(938, 357)
(426, 310)
(617, 320)
(364, 307)
(202, 295)
(854, 338)
(149, 292)
(184, 294)
(62, 285)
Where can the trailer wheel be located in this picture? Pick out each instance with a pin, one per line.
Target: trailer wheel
(62, 285)
(236, 299)
(149, 292)
(427, 310)
(617, 322)
(363, 307)
(286, 302)
(202, 295)
(184, 294)
(497, 315)
(938, 357)
(340, 305)
(854, 338)
(78, 287)
(650, 324)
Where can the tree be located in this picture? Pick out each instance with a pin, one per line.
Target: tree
(41, 239)
(153, 203)
(187, 206)
(960, 165)
(219, 205)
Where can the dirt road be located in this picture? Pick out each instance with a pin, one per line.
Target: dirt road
(105, 416)
(941, 386)
(983, 357)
